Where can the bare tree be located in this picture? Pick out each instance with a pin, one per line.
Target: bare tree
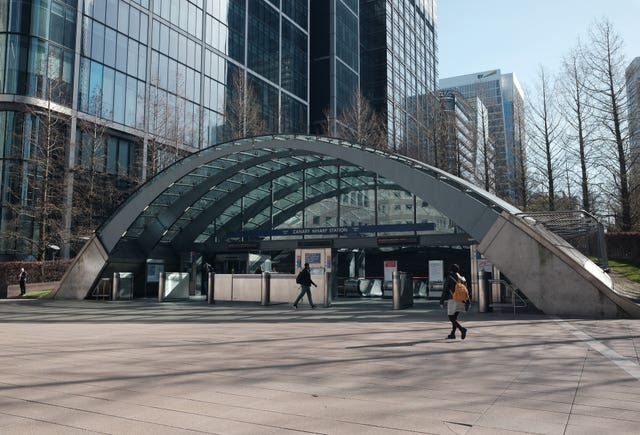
(359, 123)
(547, 128)
(578, 117)
(605, 61)
(96, 192)
(243, 113)
(169, 131)
(38, 208)
(486, 150)
(521, 182)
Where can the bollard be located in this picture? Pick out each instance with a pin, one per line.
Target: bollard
(396, 290)
(114, 287)
(266, 288)
(484, 294)
(161, 282)
(211, 279)
(327, 289)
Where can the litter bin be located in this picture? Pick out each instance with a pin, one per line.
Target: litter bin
(402, 290)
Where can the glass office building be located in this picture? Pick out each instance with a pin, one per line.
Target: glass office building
(335, 59)
(399, 63)
(98, 95)
(504, 99)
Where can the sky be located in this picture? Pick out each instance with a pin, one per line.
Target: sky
(520, 35)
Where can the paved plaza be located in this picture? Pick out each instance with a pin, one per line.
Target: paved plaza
(357, 367)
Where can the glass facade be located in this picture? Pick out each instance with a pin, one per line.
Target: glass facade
(335, 60)
(399, 62)
(153, 80)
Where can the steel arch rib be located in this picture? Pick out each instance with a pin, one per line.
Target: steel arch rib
(473, 210)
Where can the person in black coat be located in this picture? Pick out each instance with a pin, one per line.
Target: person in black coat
(23, 281)
(453, 307)
(304, 279)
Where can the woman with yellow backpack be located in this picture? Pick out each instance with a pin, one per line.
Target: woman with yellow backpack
(457, 297)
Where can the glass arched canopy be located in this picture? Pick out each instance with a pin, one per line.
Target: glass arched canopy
(277, 187)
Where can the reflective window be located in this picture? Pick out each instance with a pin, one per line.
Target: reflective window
(267, 95)
(110, 47)
(133, 58)
(119, 98)
(294, 60)
(134, 24)
(95, 88)
(236, 26)
(132, 102)
(123, 17)
(108, 83)
(263, 40)
(347, 47)
(294, 115)
(122, 43)
(296, 10)
(112, 13)
(97, 42)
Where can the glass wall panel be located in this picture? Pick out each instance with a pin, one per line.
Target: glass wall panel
(236, 25)
(123, 17)
(108, 84)
(267, 95)
(110, 47)
(39, 18)
(294, 60)
(294, 115)
(119, 98)
(121, 54)
(37, 68)
(17, 64)
(296, 10)
(112, 13)
(97, 42)
(263, 40)
(131, 104)
(95, 88)
(347, 48)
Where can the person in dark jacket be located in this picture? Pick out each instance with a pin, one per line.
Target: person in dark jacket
(304, 279)
(453, 307)
(23, 281)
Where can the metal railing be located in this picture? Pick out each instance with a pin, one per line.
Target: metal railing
(517, 301)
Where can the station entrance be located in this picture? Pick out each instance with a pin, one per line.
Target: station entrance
(269, 198)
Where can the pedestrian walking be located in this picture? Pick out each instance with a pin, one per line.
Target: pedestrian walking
(457, 304)
(304, 279)
(23, 281)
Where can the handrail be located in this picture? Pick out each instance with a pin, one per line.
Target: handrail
(514, 294)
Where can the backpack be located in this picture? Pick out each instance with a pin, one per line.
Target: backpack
(460, 292)
(299, 278)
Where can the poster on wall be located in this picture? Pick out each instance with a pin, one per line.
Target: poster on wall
(313, 258)
(436, 278)
(390, 266)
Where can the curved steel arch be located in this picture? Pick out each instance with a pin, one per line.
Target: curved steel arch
(474, 210)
